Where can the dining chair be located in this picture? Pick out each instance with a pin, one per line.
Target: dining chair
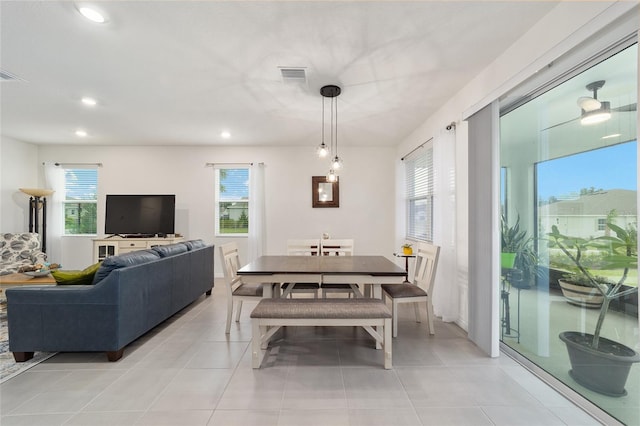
(337, 247)
(237, 291)
(420, 290)
(308, 247)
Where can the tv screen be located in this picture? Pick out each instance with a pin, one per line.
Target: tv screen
(140, 214)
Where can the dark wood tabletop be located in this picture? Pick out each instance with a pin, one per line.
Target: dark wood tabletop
(326, 265)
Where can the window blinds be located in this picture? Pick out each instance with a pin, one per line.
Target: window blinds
(419, 193)
(81, 184)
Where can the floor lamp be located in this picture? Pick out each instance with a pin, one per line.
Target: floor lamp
(37, 199)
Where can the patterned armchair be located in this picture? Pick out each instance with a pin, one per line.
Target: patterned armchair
(18, 250)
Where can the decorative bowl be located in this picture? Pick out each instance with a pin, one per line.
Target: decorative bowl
(37, 273)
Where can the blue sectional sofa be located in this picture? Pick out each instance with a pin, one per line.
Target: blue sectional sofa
(131, 294)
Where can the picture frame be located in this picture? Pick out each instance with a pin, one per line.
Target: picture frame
(324, 193)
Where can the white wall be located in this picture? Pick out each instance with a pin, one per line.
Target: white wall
(365, 212)
(19, 169)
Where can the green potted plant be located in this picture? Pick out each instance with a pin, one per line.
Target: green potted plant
(512, 239)
(598, 363)
(517, 250)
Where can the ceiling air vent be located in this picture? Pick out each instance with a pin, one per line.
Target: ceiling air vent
(293, 75)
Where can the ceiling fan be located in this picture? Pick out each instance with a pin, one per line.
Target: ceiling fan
(592, 110)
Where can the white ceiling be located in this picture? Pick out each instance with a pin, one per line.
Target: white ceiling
(171, 72)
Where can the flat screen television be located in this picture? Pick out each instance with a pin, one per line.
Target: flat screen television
(144, 215)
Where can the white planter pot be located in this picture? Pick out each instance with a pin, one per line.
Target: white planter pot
(579, 295)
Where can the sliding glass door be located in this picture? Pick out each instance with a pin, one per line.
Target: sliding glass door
(569, 212)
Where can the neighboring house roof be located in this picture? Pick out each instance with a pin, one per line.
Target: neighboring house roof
(598, 203)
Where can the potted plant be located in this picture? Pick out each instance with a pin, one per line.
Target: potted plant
(511, 240)
(407, 250)
(598, 363)
(577, 289)
(519, 264)
(517, 251)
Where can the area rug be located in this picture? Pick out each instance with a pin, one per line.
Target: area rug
(8, 367)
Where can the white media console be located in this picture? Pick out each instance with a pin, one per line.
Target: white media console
(111, 246)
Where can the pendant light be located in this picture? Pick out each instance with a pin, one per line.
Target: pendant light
(332, 92)
(322, 149)
(592, 110)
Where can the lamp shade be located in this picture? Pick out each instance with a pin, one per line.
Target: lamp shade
(597, 115)
(37, 192)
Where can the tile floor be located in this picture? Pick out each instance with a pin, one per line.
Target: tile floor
(188, 372)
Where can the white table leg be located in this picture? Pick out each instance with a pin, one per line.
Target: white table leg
(377, 291)
(267, 290)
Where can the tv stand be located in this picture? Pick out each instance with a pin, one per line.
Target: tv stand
(113, 245)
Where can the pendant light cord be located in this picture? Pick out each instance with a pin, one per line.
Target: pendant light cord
(323, 120)
(336, 98)
(332, 128)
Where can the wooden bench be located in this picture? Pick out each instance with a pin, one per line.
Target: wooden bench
(271, 314)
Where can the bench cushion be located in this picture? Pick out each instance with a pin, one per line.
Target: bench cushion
(321, 308)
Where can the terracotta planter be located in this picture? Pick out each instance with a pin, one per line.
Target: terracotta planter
(587, 297)
(605, 370)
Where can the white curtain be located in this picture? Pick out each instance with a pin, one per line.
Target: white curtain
(445, 293)
(256, 211)
(54, 179)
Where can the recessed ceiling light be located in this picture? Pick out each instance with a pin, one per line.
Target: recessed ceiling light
(614, 135)
(81, 133)
(89, 101)
(92, 14)
(225, 135)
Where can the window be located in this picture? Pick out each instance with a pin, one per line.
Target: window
(80, 201)
(602, 224)
(232, 201)
(419, 193)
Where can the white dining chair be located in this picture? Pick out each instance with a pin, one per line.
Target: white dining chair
(305, 247)
(236, 290)
(420, 290)
(337, 247)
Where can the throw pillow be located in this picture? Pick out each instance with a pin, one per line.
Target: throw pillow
(84, 277)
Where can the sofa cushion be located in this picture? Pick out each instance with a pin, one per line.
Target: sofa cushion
(194, 244)
(84, 277)
(170, 249)
(122, 261)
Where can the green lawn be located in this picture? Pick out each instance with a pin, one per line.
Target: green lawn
(234, 230)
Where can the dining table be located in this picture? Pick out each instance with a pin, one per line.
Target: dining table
(367, 271)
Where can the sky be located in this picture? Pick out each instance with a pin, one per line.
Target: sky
(236, 184)
(613, 167)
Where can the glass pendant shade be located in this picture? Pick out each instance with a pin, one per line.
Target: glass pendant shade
(322, 150)
(331, 176)
(336, 163)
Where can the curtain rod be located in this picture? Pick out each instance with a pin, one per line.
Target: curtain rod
(228, 164)
(78, 164)
(416, 148)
